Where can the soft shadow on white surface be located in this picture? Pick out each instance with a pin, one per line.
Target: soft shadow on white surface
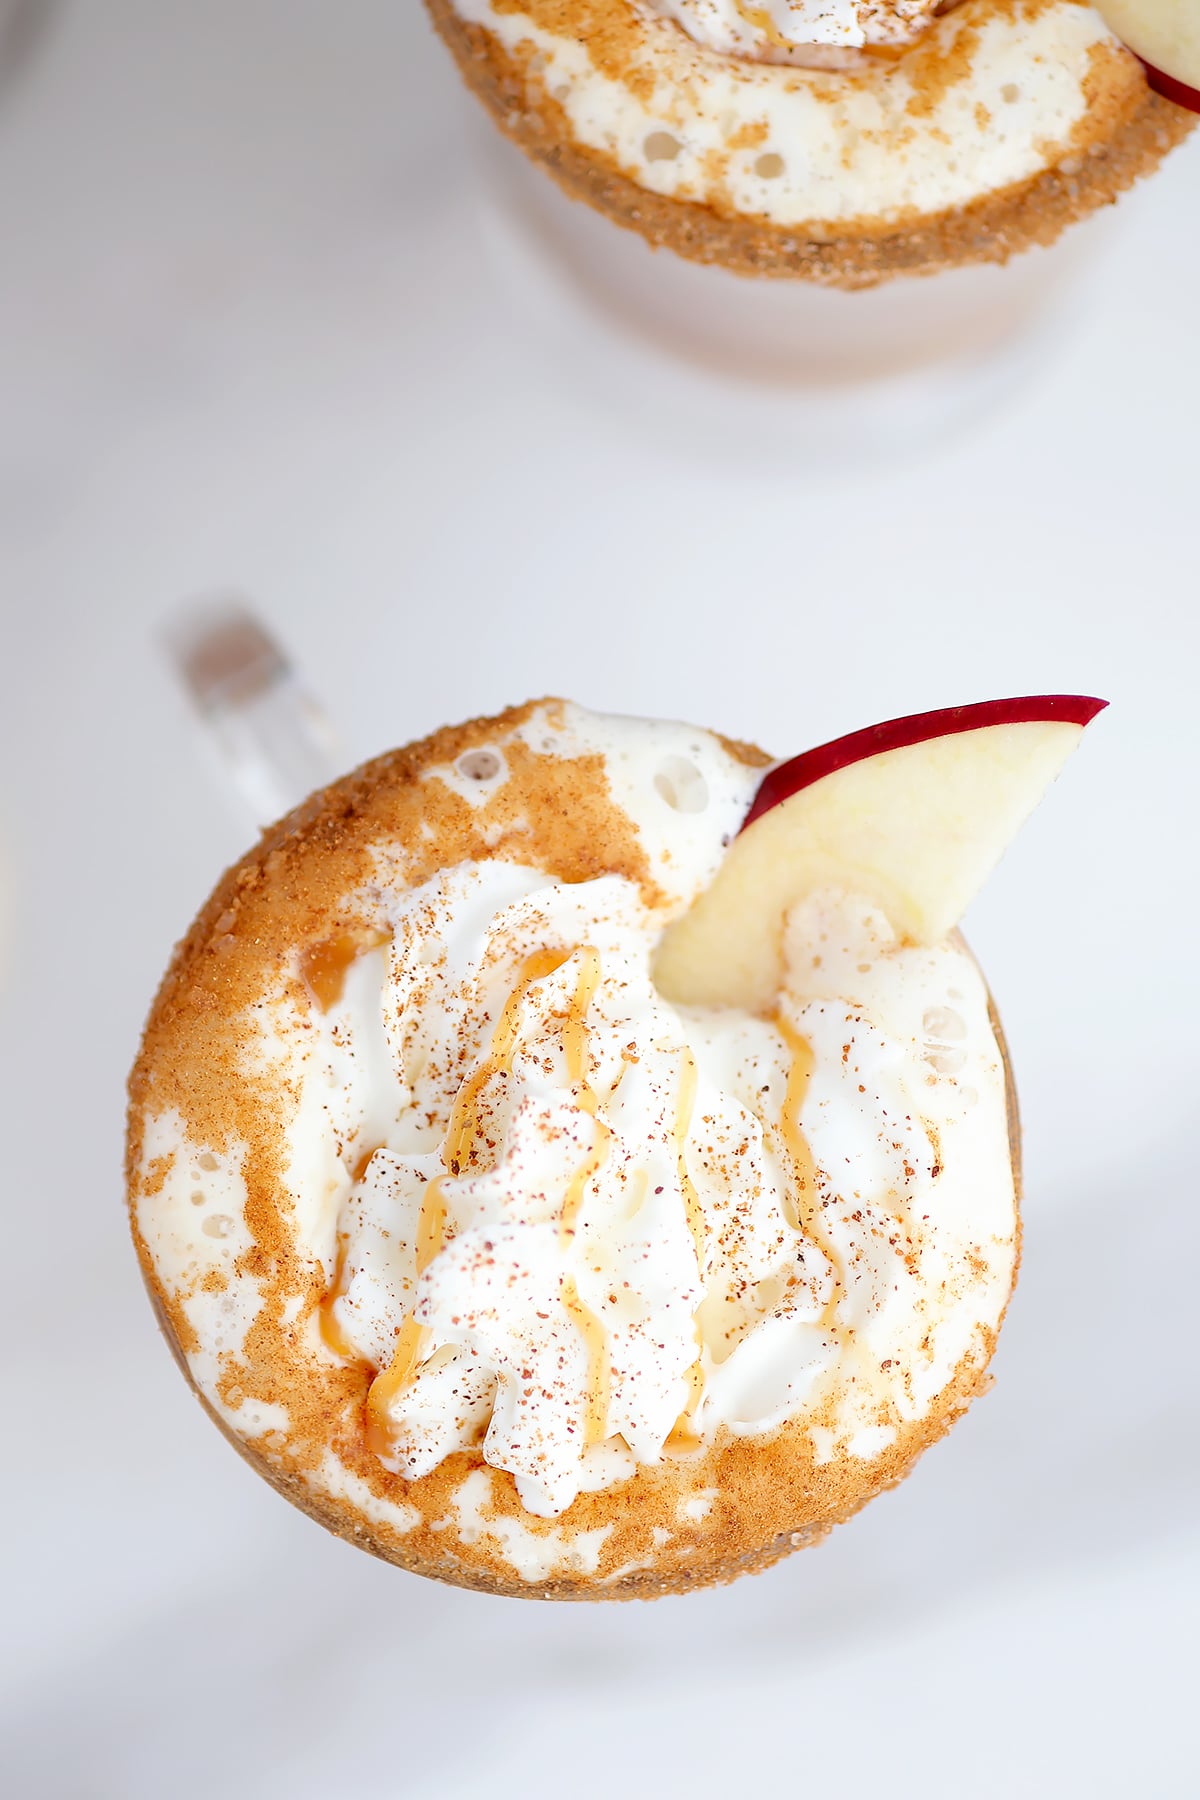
(1020, 1703)
(757, 375)
(306, 1663)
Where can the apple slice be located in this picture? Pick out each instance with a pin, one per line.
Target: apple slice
(1165, 36)
(913, 814)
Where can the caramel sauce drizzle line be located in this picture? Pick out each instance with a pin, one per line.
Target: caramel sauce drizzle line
(573, 1198)
(684, 1435)
(574, 1032)
(413, 1340)
(325, 965)
(685, 1107)
(463, 1117)
(460, 1132)
(595, 1338)
(431, 1227)
(807, 1211)
(332, 1335)
(575, 1044)
(759, 19)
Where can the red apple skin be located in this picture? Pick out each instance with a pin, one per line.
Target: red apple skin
(1169, 88)
(788, 778)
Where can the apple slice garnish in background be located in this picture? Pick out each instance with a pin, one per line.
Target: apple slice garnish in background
(912, 815)
(1165, 36)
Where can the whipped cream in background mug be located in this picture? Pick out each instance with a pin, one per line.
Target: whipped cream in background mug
(781, 30)
(840, 372)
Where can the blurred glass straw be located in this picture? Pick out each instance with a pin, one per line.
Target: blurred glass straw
(22, 23)
(272, 738)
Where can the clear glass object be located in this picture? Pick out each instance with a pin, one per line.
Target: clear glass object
(273, 740)
(21, 25)
(839, 375)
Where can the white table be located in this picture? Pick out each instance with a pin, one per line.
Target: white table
(248, 335)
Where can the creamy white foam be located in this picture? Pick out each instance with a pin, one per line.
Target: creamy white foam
(190, 1211)
(794, 146)
(775, 30)
(582, 1209)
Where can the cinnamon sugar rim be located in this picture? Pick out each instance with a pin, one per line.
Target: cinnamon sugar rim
(714, 1559)
(754, 1499)
(859, 215)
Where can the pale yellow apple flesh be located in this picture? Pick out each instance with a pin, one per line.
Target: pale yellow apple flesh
(1164, 33)
(916, 829)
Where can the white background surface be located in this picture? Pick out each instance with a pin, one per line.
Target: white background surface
(249, 335)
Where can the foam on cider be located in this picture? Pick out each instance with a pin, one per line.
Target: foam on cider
(326, 1404)
(413, 1341)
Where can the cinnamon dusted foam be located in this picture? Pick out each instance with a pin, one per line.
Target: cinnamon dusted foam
(498, 1263)
(838, 140)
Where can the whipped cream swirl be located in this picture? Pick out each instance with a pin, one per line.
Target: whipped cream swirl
(601, 1226)
(545, 1245)
(782, 30)
(561, 1224)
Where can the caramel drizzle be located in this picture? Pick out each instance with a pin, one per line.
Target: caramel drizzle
(361, 1166)
(684, 1108)
(460, 1132)
(432, 1221)
(599, 1387)
(587, 1170)
(412, 1342)
(574, 1033)
(410, 1345)
(759, 19)
(591, 1328)
(431, 1226)
(684, 1435)
(802, 1211)
(574, 1037)
(805, 1215)
(534, 968)
(332, 1335)
(325, 965)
